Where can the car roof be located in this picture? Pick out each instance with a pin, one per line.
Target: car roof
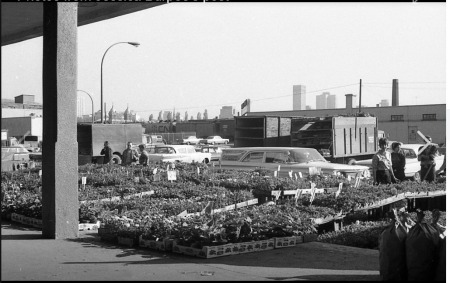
(174, 145)
(271, 148)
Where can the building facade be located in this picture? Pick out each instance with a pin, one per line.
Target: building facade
(321, 100)
(331, 101)
(299, 97)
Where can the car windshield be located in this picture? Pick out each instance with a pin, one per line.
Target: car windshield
(164, 150)
(305, 155)
(210, 137)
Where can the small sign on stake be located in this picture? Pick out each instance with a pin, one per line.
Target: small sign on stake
(172, 175)
(290, 174)
(155, 171)
(40, 173)
(339, 190)
(275, 173)
(300, 175)
(136, 179)
(313, 192)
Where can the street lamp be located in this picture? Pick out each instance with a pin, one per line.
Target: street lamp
(135, 44)
(92, 103)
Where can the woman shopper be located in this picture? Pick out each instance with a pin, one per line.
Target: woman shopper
(382, 164)
(398, 161)
(428, 164)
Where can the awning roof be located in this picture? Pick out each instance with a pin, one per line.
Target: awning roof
(22, 21)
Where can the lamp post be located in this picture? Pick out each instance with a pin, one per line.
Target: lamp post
(92, 103)
(135, 44)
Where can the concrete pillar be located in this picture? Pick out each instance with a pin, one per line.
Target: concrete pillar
(60, 148)
(394, 92)
(349, 102)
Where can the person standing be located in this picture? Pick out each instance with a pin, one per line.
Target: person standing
(382, 164)
(107, 152)
(143, 157)
(398, 161)
(129, 155)
(428, 164)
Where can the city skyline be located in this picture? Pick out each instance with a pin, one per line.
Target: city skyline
(250, 50)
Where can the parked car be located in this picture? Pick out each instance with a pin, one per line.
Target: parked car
(215, 140)
(182, 153)
(215, 150)
(288, 159)
(412, 166)
(191, 140)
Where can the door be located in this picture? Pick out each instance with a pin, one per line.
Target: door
(412, 134)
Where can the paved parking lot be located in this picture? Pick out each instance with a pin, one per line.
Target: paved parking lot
(25, 256)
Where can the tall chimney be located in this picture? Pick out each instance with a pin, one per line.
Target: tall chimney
(349, 102)
(395, 92)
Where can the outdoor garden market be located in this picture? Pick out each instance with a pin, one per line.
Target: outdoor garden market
(191, 209)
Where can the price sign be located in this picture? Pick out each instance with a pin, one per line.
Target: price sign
(198, 171)
(40, 173)
(83, 180)
(339, 190)
(290, 174)
(300, 175)
(313, 192)
(276, 194)
(275, 173)
(155, 171)
(172, 175)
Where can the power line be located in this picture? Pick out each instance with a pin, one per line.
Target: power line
(238, 102)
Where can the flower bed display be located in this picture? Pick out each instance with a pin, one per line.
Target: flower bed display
(208, 213)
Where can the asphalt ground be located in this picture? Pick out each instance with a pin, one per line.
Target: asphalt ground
(28, 257)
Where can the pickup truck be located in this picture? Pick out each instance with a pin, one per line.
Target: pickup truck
(215, 140)
(181, 153)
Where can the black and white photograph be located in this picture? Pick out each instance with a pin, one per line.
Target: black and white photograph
(223, 141)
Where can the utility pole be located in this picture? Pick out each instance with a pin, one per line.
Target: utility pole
(360, 85)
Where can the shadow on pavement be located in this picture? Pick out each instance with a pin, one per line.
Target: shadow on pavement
(31, 232)
(331, 277)
(308, 256)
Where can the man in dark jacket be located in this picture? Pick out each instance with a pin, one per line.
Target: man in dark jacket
(107, 151)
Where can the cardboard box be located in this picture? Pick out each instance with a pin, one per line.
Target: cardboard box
(88, 226)
(299, 240)
(125, 241)
(309, 238)
(284, 242)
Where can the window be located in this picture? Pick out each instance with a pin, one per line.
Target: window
(276, 157)
(181, 150)
(232, 155)
(396, 117)
(409, 153)
(428, 117)
(254, 157)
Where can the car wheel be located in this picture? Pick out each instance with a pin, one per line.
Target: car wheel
(351, 161)
(116, 159)
(416, 176)
(206, 161)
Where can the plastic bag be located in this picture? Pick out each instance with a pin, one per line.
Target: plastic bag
(421, 251)
(393, 253)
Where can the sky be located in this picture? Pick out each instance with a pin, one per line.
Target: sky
(197, 56)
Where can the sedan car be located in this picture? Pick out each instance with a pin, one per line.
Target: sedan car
(412, 166)
(191, 140)
(215, 150)
(215, 140)
(181, 153)
(285, 159)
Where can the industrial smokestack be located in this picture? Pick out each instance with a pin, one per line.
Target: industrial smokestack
(395, 92)
(349, 102)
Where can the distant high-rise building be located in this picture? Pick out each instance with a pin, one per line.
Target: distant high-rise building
(384, 102)
(299, 97)
(331, 101)
(321, 100)
(308, 107)
(165, 114)
(226, 112)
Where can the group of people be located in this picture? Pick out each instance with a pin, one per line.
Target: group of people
(389, 167)
(129, 155)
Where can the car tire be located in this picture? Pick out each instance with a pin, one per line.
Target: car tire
(351, 161)
(116, 159)
(206, 161)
